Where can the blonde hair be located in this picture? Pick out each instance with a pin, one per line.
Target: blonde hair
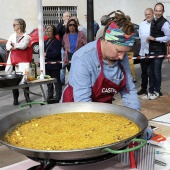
(22, 24)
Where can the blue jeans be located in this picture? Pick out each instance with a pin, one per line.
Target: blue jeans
(155, 74)
(62, 75)
(63, 70)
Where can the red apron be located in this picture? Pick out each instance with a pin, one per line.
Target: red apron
(103, 89)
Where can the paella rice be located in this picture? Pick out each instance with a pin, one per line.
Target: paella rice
(70, 131)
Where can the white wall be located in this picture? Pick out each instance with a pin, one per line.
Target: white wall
(11, 9)
(133, 8)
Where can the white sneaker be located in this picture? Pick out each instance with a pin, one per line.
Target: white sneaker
(146, 96)
(150, 96)
(154, 96)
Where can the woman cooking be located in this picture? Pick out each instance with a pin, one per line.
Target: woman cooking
(101, 69)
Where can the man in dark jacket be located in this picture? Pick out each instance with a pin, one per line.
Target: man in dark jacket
(61, 29)
(159, 36)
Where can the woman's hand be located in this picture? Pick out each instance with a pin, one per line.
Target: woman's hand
(65, 23)
(12, 44)
(13, 48)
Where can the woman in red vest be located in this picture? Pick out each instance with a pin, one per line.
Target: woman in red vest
(101, 69)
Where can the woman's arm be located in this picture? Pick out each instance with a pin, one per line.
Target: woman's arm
(80, 80)
(130, 97)
(9, 43)
(82, 40)
(66, 46)
(23, 44)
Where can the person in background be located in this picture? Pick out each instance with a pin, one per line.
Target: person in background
(104, 19)
(96, 26)
(61, 29)
(144, 32)
(132, 67)
(18, 40)
(101, 69)
(80, 27)
(168, 51)
(52, 53)
(72, 40)
(159, 36)
(130, 55)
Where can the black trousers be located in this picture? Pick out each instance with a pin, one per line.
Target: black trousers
(144, 75)
(16, 93)
(54, 89)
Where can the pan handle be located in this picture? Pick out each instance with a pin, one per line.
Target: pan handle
(21, 107)
(141, 141)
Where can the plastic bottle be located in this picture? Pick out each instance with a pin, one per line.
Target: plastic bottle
(25, 79)
(41, 75)
(33, 68)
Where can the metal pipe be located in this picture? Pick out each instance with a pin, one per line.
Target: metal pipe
(90, 21)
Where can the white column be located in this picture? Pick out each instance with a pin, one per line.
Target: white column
(41, 35)
(41, 41)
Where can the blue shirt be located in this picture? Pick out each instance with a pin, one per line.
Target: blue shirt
(85, 69)
(73, 40)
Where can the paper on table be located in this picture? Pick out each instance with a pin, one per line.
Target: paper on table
(165, 144)
(163, 119)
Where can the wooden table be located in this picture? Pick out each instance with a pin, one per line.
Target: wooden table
(33, 83)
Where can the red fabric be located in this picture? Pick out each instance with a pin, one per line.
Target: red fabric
(104, 89)
(100, 90)
(19, 56)
(68, 94)
(132, 158)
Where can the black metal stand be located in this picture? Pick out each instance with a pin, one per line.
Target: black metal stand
(44, 166)
(50, 164)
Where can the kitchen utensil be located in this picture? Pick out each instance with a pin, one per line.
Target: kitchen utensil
(8, 80)
(9, 122)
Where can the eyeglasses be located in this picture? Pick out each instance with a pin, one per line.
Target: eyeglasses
(74, 25)
(48, 31)
(15, 25)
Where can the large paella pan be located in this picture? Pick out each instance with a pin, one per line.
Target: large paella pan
(9, 122)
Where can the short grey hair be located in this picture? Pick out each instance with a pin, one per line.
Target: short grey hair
(67, 12)
(104, 19)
